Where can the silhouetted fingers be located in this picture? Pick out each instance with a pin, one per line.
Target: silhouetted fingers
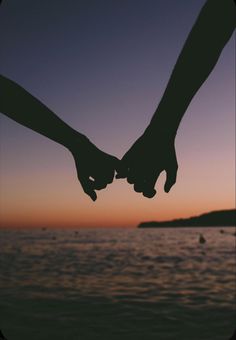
(171, 175)
(100, 181)
(149, 193)
(149, 186)
(122, 172)
(136, 176)
(102, 178)
(110, 177)
(100, 185)
(139, 186)
(142, 187)
(122, 169)
(130, 179)
(88, 186)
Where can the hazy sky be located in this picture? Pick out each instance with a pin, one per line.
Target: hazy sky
(102, 66)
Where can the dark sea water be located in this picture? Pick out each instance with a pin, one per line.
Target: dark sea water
(117, 284)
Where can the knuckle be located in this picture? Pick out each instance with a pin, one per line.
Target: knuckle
(100, 186)
(137, 188)
(87, 191)
(130, 180)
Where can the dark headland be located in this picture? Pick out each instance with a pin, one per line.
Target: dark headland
(221, 218)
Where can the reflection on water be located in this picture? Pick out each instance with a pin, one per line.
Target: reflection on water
(94, 284)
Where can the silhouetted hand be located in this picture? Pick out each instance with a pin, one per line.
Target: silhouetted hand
(154, 151)
(95, 168)
(146, 159)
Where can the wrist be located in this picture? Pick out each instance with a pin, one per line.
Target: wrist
(158, 129)
(167, 118)
(76, 142)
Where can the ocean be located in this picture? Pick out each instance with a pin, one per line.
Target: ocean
(79, 284)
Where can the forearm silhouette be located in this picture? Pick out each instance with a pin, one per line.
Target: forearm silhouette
(95, 168)
(154, 151)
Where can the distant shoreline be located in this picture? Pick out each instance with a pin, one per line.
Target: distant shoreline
(221, 218)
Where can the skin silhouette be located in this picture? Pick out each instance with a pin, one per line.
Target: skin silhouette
(95, 168)
(233, 336)
(1, 335)
(154, 151)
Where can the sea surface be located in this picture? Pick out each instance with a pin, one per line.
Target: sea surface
(80, 284)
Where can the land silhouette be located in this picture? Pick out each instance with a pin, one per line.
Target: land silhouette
(220, 218)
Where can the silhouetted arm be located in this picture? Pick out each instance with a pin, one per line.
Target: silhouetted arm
(154, 151)
(212, 30)
(21, 106)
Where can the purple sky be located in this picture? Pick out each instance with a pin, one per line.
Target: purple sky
(102, 66)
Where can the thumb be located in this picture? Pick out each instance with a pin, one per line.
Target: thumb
(171, 175)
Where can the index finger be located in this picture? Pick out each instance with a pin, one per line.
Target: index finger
(88, 186)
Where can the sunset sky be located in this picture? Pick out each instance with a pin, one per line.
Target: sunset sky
(102, 66)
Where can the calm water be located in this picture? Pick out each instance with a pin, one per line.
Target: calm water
(117, 284)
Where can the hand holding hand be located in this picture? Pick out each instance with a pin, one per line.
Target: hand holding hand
(95, 168)
(152, 153)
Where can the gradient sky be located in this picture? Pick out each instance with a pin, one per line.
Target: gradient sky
(102, 66)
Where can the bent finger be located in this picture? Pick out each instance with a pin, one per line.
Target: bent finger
(99, 185)
(119, 167)
(102, 178)
(149, 193)
(110, 177)
(139, 186)
(123, 167)
(122, 170)
(149, 186)
(88, 186)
